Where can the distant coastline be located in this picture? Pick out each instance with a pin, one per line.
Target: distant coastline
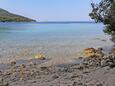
(6, 16)
(64, 22)
(52, 22)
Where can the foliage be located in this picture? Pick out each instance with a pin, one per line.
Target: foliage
(104, 12)
(6, 16)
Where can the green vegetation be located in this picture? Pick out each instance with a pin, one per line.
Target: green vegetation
(6, 16)
(105, 12)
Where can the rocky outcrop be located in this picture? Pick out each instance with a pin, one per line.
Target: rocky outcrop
(92, 52)
(96, 57)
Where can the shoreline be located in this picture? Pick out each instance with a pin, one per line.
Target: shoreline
(66, 51)
(63, 62)
(91, 71)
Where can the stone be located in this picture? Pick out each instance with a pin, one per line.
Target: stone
(55, 76)
(13, 63)
(80, 58)
(40, 56)
(74, 84)
(89, 52)
(99, 84)
(113, 52)
(112, 65)
(43, 68)
(93, 53)
(103, 63)
(23, 66)
(4, 84)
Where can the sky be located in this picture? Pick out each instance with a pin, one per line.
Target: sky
(50, 10)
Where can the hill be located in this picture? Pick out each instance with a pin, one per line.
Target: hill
(6, 16)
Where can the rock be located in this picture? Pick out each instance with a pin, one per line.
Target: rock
(99, 84)
(80, 67)
(103, 63)
(103, 40)
(1, 79)
(112, 65)
(81, 84)
(43, 68)
(32, 63)
(55, 76)
(99, 52)
(100, 49)
(93, 53)
(113, 52)
(89, 52)
(73, 76)
(13, 63)
(93, 62)
(4, 84)
(40, 56)
(80, 58)
(74, 84)
(22, 66)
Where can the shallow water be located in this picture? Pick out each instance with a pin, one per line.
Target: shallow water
(44, 32)
(23, 40)
(35, 32)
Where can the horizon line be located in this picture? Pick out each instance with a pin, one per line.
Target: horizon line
(65, 21)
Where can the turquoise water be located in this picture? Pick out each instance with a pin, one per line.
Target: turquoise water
(43, 32)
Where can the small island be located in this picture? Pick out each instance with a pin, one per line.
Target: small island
(6, 16)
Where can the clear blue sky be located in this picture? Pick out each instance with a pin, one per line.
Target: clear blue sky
(50, 10)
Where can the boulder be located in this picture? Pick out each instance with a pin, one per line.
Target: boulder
(92, 52)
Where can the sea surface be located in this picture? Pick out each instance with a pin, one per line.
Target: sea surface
(64, 40)
(49, 32)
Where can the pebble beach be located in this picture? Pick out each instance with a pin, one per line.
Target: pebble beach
(39, 55)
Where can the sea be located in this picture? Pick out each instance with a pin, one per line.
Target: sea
(54, 39)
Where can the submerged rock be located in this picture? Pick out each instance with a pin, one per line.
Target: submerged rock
(40, 56)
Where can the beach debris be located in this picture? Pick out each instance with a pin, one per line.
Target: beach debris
(40, 56)
(92, 52)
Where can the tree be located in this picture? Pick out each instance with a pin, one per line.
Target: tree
(104, 12)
